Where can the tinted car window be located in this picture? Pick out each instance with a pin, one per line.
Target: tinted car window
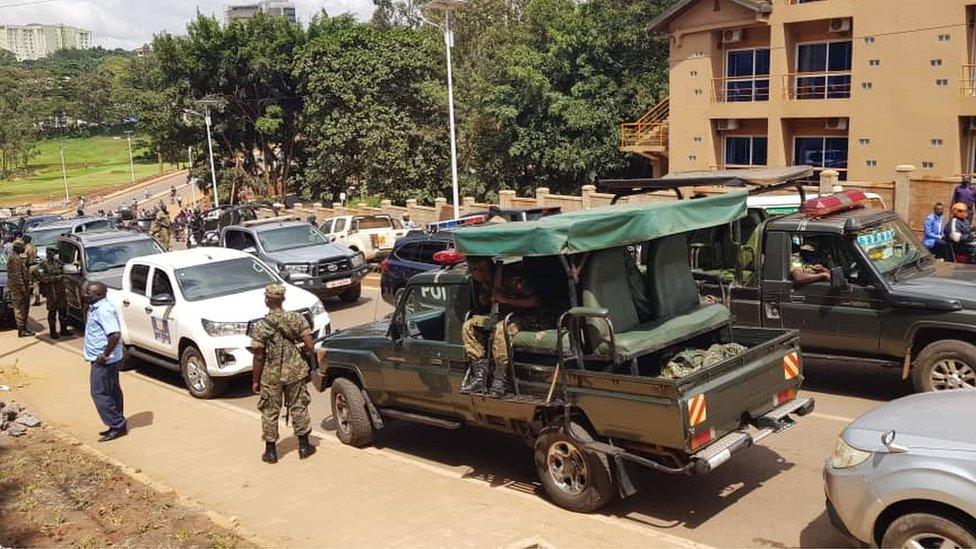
(69, 253)
(327, 226)
(340, 225)
(138, 277)
(428, 250)
(223, 278)
(409, 251)
(110, 256)
(161, 283)
(97, 225)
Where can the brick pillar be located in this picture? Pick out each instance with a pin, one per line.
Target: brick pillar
(586, 192)
(467, 204)
(505, 198)
(903, 175)
(540, 196)
(387, 206)
(411, 204)
(440, 209)
(828, 179)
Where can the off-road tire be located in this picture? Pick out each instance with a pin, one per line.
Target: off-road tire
(935, 352)
(352, 427)
(351, 294)
(905, 527)
(595, 492)
(129, 362)
(208, 386)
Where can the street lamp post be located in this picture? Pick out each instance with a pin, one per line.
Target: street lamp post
(189, 166)
(206, 104)
(448, 6)
(64, 175)
(132, 171)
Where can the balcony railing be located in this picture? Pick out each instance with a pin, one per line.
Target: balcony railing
(737, 89)
(649, 131)
(817, 85)
(968, 80)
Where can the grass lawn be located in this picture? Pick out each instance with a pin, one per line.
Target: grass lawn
(92, 163)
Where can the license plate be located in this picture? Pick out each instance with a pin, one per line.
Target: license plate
(338, 283)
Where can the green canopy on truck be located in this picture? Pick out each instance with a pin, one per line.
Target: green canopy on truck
(600, 228)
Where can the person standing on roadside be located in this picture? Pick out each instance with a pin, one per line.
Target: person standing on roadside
(103, 350)
(280, 372)
(50, 277)
(966, 194)
(18, 284)
(30, 254)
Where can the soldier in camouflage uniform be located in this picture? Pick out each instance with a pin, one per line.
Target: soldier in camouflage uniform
(160, 228)
(30, 254)
(50, 275)
(18, 284)
(280, 372)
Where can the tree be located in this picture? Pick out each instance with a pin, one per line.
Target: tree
(248, 65)
(18, 109)
(375, 110)
(7, 58)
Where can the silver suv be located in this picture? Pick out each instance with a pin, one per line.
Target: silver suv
(302, 254)
(904, 474)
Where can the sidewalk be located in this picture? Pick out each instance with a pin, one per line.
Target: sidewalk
(208, 451)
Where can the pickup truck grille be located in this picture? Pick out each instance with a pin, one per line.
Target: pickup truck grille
(331, 266)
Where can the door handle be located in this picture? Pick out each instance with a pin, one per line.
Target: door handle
(436, 361)
(125, 302)
(148, 310)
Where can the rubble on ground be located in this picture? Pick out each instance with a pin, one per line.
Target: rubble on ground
(15, 419)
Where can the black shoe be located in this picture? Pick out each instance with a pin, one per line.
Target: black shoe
(270, 454)
(105, 432)
(305, 447)
(25, 332)
(53, 331)
(476, 380)
(65, 331)
(113, 434)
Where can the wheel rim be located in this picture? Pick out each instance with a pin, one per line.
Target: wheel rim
(928, 540)
(951, 373)
(567, 467)
(341, 412)
(196, 375)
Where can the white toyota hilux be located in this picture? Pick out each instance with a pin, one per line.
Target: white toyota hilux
(192, 311)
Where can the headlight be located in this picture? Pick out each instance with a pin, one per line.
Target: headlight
(217, 329)
(845, 456)
(298, 268)
(316, 309)
(357, 261)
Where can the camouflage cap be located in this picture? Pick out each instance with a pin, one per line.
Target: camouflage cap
(19, 245)
(274, 291)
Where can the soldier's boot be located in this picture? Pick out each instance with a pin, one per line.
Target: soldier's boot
(476, 382)
(305, 447)
(65, 329)
(500, 384)
(52, 330)
(270, 454)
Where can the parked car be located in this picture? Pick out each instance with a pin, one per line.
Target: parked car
(10, 228)
(214, 220)
(47, 234)
(412, 254)
(192, 311)
(904, 474)
(589, 406)
(302, 253)
(32, 221)
(371, 235)
(98, 256)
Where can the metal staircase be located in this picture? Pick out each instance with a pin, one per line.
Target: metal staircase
(648, 135)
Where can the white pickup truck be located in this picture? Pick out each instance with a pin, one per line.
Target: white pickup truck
(192, 310)
(371, 235)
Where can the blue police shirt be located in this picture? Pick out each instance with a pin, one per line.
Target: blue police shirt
(103, 319)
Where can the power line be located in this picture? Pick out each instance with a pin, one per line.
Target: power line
(28, 3)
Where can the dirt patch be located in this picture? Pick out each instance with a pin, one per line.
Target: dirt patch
(53, 493)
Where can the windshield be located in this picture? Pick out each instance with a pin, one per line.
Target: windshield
(286, 238)
(43, 238)
(890, 245)
(223, 278)
(373, 222)
(111, 256)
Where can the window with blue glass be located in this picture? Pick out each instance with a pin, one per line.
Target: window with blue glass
(822, 153)
(747, 75)
(746, 150)
(823, 70)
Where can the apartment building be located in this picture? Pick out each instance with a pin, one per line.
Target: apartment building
(277, 8)
(29, 42)
(858, 86)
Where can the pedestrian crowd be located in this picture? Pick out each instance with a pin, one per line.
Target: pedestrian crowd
(953, 238)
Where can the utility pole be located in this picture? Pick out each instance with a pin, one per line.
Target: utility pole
(132, 171)
(213, 170)
(189, 166)
(64, 174)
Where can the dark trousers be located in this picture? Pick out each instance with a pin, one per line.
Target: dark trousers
(941, 250)
(53, 315)
(106, 392)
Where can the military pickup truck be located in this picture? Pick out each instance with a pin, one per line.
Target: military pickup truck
(589, 396)
(888, 300)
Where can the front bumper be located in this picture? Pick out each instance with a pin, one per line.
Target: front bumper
(852, 505)
(329, 284)
(229, 356)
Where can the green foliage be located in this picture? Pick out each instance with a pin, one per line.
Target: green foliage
(374, 111)
(19, 105)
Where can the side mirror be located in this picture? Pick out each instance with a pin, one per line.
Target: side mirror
(396, 330)
(70, 269)
(285, 275)
(888, 439)
(838, 281)
(162, 300)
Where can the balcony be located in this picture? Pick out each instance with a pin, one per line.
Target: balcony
(968, 80)
(737, 89)
(817, 85)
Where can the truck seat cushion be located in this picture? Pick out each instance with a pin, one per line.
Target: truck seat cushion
(541, 341)
(656, 335)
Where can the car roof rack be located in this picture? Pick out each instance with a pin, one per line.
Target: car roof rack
(755, 180)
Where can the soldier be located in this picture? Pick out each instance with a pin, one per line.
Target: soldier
(280, 372)
(30, 254)
(160, 228)
(18, 284)
(50, 275)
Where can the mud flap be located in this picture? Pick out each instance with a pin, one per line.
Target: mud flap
(624, 485)
(374, 414)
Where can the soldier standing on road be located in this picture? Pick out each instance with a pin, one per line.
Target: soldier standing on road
(18, 284)
(30, 254)
(280, 372)
(50, 275)
(160, 228)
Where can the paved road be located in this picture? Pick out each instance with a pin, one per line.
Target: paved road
(770, 495)
(156, 191)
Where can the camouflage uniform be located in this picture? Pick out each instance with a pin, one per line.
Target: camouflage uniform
(51, 281)
(18, 284)
(30, 254)
(691, 360)
(160, 229)
(285, 372)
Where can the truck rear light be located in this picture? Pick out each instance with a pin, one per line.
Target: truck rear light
(702, 438)
(384, 265)
(784, 396)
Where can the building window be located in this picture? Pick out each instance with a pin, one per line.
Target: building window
(822, 152)
(874, 62)
(866, 85)
(936, 62)
(863, 141)
(942, 82)
(869, 40)
(823, 70)
(926, 164)
(697, 139)
(744, 151)
(870, 163)
(698, 91)
(944, 37)
(747, 75)
(936, 142)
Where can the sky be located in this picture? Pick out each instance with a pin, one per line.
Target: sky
(131, 23)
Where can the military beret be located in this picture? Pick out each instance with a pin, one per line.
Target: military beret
(274, 291)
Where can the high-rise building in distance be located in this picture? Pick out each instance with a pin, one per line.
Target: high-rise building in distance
(278, 8)
(35, 41)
